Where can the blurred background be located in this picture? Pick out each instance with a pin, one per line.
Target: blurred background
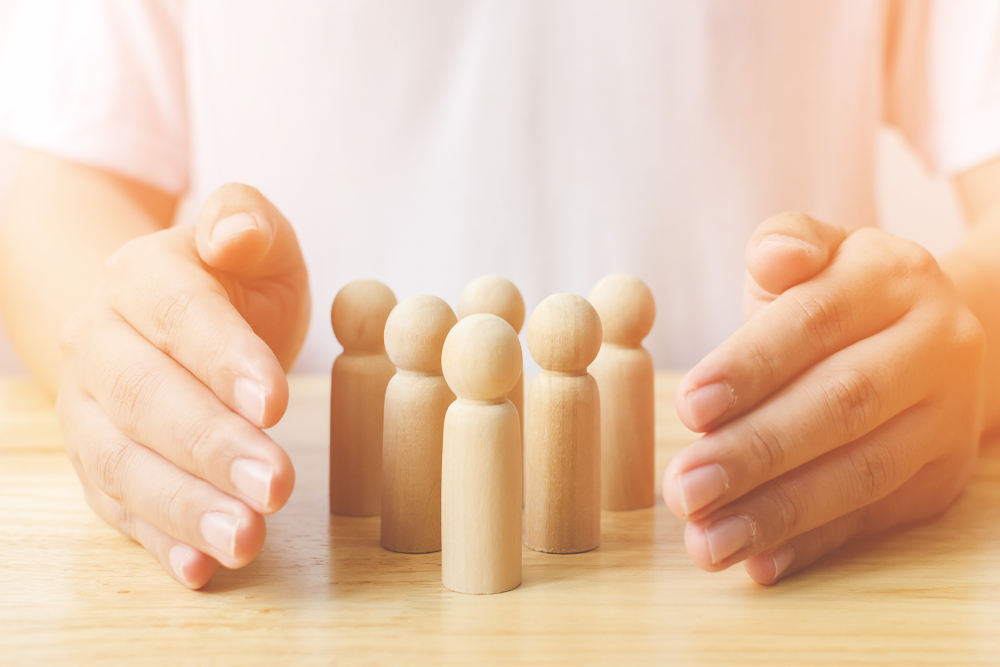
(912, 202)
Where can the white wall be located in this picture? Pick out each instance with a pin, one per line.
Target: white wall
(912, 203)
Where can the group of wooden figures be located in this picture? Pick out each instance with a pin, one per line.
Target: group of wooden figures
(428, 425)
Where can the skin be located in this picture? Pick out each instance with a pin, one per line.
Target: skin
(852, 400)
(147, 333)
(856, 395)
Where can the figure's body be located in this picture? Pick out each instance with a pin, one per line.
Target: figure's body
(481, 466)
(562, 443)
(623, 370)
(416, 401)
(357, 397)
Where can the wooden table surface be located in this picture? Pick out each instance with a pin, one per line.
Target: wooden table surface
(322, 591)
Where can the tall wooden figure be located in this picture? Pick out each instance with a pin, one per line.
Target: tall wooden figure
(497, 296)
(357, 396)
(481, 461)
(415, 404)
(624, 373)
(562, 443)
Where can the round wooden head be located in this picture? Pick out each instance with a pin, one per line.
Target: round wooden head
(415, 333)
(626, 308)
(482, 358)
(494, 295)
(359, 313)
(564, 333)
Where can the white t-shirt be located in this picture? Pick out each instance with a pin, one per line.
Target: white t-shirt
(550, 141)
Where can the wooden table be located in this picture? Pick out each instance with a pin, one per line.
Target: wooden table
(72, 590)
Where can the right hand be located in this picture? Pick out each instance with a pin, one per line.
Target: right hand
(170, 371)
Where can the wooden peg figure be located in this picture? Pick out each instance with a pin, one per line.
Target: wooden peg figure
(624, 373)
(497, 296)
(357, 397)
(415, 404)
(481, 460)
(562, 443)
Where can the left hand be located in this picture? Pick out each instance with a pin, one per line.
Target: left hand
(850, 401)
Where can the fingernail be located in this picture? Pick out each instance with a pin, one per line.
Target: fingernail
(179, 557)
(782, 242)
(701, 486)
(219, 530)
(708, 403)
(782, 557)
(234, 224)
(249, 396)
(253, 480)
(727, 536)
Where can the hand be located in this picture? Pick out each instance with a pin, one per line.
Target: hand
(169, 372)
(851, 401)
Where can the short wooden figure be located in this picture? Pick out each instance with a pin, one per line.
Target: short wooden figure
(562, 443)
(624, 373)
(415, 404)
(481, 461)
(497, 296)
(357, 397)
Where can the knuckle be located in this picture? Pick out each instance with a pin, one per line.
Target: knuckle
(762, 362)
(785, 513)
(202, 441)
(874, 470)
(168, 316)
(110, 466)
(823, 319)
(917, 260)
(852, 401)
(170, 512)
(766, 447)
(219, 350)
(133, 393)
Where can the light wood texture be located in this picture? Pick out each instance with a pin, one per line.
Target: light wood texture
(562, 435)
(624, 373)
(497, 296)
(358, 382)
(415, 404)
(322, 591)
(481, 461)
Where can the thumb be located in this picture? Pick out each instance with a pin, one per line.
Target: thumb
(789, 249)
(241, 232)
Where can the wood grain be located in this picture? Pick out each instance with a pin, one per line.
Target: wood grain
(322, 591)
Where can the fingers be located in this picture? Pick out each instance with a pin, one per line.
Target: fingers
(184, 311)
(185, 564)
(789, 249)
(254, 253)
(154, 401)
(858, 295)
(239, 231)
(850, 478)
(150, 488)
(837, 401)
(925, 495)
